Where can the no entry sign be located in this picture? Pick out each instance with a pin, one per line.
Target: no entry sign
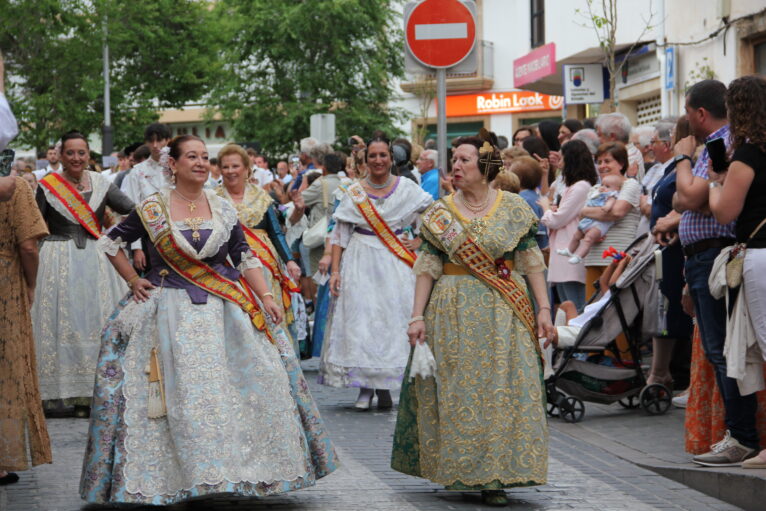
(440, 33)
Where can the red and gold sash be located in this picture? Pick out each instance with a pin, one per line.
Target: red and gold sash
(263, 252)
(445, 226)
(71, 199)
(379, 226)
(154, 216)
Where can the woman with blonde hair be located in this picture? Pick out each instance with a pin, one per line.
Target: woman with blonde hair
(257, 213)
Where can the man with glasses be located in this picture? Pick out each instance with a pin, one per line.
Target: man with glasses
(661, 145)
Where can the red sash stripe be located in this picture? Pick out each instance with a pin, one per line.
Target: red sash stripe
(73, 201)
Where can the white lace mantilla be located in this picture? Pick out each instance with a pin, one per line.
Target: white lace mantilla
(99, 187)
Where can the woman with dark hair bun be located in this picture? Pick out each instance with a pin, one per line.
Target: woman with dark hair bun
(477, 421)
(77, 287)
(365, 344)
(198, 391)
(549, 132)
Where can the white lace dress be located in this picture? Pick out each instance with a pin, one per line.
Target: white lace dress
(365, 342)
(236, 422)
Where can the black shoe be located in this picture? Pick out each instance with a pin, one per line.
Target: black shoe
(10, 478)
(384, 399)
(82, 412)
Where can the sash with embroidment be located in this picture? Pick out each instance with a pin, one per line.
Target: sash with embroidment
(155, 218)
(270, 261)
(445, 226)
(73, 201)
(379, 226)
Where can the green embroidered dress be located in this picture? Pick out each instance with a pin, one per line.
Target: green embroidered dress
(481, 423)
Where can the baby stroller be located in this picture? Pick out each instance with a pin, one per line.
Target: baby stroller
(632, 306)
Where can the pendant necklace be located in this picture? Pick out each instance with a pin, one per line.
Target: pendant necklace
(77, 182)
(191, 203)
(194, 224)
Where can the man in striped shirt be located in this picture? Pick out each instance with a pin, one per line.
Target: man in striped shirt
(702, 239)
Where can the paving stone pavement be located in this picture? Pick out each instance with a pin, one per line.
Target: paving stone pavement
(581, 476)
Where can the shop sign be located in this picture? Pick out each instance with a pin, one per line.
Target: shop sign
(501, 103)
(584, 84)
(536, 64)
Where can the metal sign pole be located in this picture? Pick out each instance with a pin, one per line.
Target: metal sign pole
(441, 120)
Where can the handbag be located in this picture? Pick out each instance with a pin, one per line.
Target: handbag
(315, 235)
(736, 263)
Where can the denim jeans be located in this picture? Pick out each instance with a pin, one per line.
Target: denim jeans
(711, 319)
(572, 291)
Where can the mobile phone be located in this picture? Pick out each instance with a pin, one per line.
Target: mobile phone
(6, 160)
(716, 149)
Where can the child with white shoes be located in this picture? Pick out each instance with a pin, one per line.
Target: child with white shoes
(590, 231)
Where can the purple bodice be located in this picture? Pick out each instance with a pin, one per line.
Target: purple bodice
(132, 229)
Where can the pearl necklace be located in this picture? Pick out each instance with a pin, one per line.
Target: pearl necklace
(475, 208)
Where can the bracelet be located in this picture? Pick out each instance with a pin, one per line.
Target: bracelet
(543, 308)
(335, 273)
(264, 295)
(132, 280)
(415, 319)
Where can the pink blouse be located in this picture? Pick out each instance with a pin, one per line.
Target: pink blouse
(562, 225)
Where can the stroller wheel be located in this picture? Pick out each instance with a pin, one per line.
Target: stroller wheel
(629, 402)
(655, 399)
(552, 409)
(572, 409)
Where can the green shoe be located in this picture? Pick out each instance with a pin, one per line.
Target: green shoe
(494, 498)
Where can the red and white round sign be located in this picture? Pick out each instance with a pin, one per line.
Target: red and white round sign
(440, 33)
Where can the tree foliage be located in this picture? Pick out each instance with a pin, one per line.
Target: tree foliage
(288, 59)
(163, 54)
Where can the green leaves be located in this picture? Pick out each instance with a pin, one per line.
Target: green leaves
(163, 53)
(285, 60)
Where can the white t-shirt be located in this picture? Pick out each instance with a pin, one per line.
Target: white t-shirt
(8, 126)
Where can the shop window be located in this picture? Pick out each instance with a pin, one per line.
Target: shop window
(759, 52)
(648, 111)
(455, 129)
(220, 133)
(537, 23)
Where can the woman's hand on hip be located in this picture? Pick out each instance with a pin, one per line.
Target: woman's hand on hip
(417, 332)
(141, 288)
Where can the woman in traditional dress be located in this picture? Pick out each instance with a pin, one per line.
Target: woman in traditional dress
(195, 394)
(365, 345)
(258, 216)
(23, 435)
(78, 288)
(479, 423)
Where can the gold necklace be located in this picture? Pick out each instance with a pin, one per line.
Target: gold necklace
(475, 208)
(191, 203)
(194, 224)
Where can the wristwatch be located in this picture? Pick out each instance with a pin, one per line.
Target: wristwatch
(713, 184)
(679, 158)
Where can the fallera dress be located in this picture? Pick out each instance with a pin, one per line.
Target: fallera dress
(257, 213)
(365, 344)
(240, 419)
(77, 290)
(481, 422)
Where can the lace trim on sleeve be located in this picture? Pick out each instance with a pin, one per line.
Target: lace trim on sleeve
(110, 246)
(529, 261)
(428, 264)
(249, 261)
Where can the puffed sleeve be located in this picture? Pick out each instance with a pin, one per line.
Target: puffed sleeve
(527, 256)
(341, 233)
(129, 230)
(239, 251)
(26, 220)
(429, 261)
(118, 201)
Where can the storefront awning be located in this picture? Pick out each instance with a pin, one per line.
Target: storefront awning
(553, 84)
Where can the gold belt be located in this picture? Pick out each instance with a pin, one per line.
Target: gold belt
(456, 269)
